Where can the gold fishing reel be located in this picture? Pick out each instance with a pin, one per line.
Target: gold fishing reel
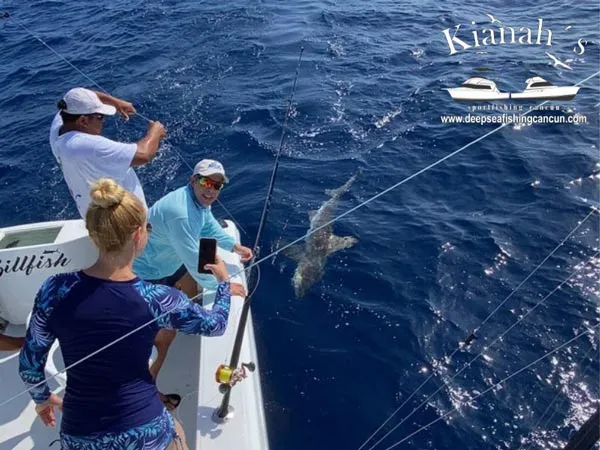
(228, 377)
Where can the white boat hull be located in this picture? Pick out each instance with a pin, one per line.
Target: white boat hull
(31, 253)
(472, 95)
(554, 93)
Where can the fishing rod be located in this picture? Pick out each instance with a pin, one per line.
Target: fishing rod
(6, 15)
(229, 375)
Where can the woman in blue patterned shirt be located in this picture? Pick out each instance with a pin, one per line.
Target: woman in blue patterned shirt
(111, 400)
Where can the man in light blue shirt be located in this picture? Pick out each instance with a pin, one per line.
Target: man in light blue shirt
(178, 221)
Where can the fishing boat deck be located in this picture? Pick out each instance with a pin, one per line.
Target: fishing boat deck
(189, 370)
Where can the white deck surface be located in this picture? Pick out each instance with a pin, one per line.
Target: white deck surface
(189, 371)
(20, 429)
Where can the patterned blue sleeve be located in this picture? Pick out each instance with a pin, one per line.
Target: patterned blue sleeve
(38, 340)
(185, 315)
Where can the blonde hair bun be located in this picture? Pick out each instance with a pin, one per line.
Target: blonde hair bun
(113, 215)
(106, 193)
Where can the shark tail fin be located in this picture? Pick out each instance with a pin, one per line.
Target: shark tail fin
(337, 243)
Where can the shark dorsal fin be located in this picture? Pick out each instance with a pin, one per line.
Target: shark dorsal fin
(337, 243)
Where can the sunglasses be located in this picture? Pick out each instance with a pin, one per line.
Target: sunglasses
(209, 183)
(99, 117)
(148, 227)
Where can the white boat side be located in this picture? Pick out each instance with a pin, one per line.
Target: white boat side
(477, 89)
(246, 429)
(189, 370)
(31, 253)
(540, 89)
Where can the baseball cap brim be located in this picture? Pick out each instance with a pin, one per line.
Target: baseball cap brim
(208, 174)
(107, 110)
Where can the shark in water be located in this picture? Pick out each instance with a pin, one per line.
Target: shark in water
(311, 257)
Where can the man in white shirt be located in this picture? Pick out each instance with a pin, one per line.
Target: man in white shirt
(84, 155)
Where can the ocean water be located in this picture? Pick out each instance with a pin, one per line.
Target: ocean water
(436, 255)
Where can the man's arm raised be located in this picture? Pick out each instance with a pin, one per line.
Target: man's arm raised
(124, 107)
(147, 147)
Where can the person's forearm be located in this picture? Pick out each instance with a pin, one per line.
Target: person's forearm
(107, 99)
(9, 343)
(213, 322)
(147, 147)
(32, 361)
(177, 312)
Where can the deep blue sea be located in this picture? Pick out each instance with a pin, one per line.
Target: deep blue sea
(435, 255)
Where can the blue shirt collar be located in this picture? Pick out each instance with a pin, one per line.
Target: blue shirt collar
(193, 195)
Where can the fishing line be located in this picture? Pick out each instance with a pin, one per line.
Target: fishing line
(241, 327)
(494, 386)
(110, 344)
(309, 233)
(85, 358)
(239, 312)
(400, 183)
(6, 15)
(579, 224)
(225, 357)
(556, 398)
(467, 365)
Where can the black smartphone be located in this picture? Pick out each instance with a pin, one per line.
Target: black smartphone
(206, 254)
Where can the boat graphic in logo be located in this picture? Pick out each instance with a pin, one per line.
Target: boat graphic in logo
(479, 89)
(540, 89)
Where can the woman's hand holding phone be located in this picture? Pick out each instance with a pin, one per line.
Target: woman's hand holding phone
(218, 269)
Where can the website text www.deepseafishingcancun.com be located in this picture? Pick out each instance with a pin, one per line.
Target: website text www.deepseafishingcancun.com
(517, 119)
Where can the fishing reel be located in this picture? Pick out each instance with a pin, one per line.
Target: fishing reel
(228, 377)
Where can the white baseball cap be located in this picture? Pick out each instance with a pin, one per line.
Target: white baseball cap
(81, 101)
(208, 167)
